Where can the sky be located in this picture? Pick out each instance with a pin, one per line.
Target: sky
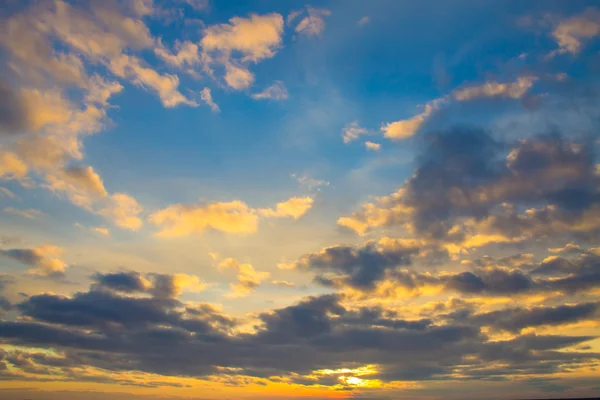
(389, 199)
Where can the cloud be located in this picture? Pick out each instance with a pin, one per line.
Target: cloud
(312, 23)
(14, 116)
(517, 319)
(7, 193)
(87, 178)
(295, 207)
(11, 166)
(569, 248)
(127, 282)
(188, 54)
(123, 210)
(240, 42)
(406, 128)
(173, 285)
(310, 183)
(234, 217)
(198, 5)
(29, 213)
(206, 97)
(160, 286)
(182, 220)
(45, 260)
(511, 90)
(95, 328)
(372, 146)
(359, 267)
(283, 283)
(475, 202)
(238, 77)
(363, 21)
(50, 45)
(248, 279)
(276, 91)
(101, 230)
(570, 33)
(256, 38)
(166, 86)
(353, 131)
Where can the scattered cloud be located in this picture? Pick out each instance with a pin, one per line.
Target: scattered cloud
(404, 129)
(248, 279)
(101, 230)
(44, 260)
(310, 183)
(312, 22)
(29, 213)
(234, 217)
(283, 283)
(198, 5)
(254, 39)
(363, 21)
(276, 91)
(570, 33)
(7, 193)
(512, 90)
(373, 146)
(124, 211)
(353, 131)
(182, 220)
(295, 207)
(206, 97)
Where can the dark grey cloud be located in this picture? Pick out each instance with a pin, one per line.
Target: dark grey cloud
(164, 285)
(360, 267)
(5, 280)
(112, 330)
(506, 276)
(460, 160)
(14, 115)
(97, 308)
(128, 282)
(490, 281)
(516, 319)
(466, 173)
(24, 256)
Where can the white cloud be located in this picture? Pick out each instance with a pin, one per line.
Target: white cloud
(570, 33)
(308, 182)
(198, 5)
(124, 211)
(182, 220)
(206, 97)
(313, 23)
(512, 90)
(276, 91)
(8, 193)
(101, 230)
(238, 77)
(364, 20)
(372, 146)
(166, 86)
(29, 213)
(11, 166)
(248, 279)
(283, 283)
(295, 207)
(403, 129)
(353, 131)
(256, 38)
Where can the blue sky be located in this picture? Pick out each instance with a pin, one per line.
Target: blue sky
(308, 179)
